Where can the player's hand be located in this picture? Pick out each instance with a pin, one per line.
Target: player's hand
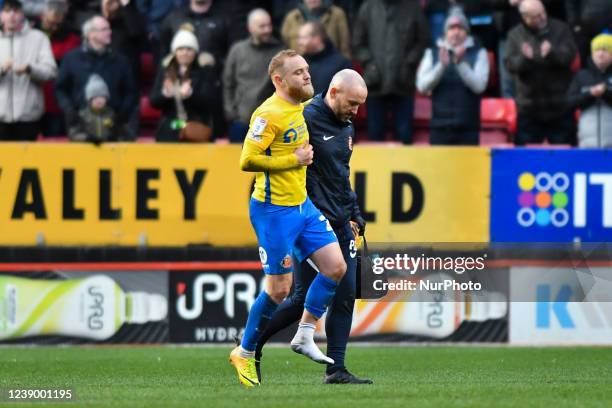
(355, 228)
(304, 154)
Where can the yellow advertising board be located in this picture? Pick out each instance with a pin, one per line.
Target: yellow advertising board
(123, 194)
(423, 194)
(173, 195)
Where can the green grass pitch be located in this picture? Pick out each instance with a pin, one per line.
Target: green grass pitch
(404, 377)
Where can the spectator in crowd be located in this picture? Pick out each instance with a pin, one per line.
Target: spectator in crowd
(81, 11)
(52, 23)
(332, 17)
(34, 9)
(588, 18)
(507, 17)
(210, 29)
(96, 56)
(128, 31)
(235, 13)
(591, 92)
(212, 32)
(539, 54)
(96, 122)
(455, 72)
(246, 83)
(321, 55)
(184, 90)
(154, 12)
(388, 41)
(479, 14)
(26, 62)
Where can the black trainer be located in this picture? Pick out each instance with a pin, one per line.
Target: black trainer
(343, 376)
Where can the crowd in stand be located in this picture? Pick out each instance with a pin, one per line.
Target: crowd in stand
(73, 67)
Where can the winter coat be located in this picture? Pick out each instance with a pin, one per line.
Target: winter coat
(98, 127)
(75, 70)
(198, 105)
(595, 125)
(246, 83)
(22, 95)
(388, 41)
(333, 19)
(541, 83)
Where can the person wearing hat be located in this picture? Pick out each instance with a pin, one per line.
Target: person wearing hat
(97, 121)
(95, 56)
(455, 73)
(185, 88)
(591, 92)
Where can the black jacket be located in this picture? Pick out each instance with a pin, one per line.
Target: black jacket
(114, 68)
(328, 177)
(389, 38)
(198, 106)
(324, 65)
(541, 83)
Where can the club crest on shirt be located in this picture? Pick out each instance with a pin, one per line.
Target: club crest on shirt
(287, 262)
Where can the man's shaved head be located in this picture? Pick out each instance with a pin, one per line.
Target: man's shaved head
(533, 14)
(348, 78)
(531, 6)
(347, 91)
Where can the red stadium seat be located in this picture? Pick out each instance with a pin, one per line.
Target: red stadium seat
(422, 112)
(147, 70)
(149, 116)
(498, 114)
(576, 64)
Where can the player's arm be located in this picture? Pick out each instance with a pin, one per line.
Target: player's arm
(258, 140)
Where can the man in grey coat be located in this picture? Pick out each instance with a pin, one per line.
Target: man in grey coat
(26, 62)
(246, 83)
(389, 38)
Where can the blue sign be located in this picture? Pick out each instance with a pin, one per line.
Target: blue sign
(557, 306)
(560, 195)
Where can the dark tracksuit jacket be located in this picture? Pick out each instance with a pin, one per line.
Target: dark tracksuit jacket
(329, 188)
